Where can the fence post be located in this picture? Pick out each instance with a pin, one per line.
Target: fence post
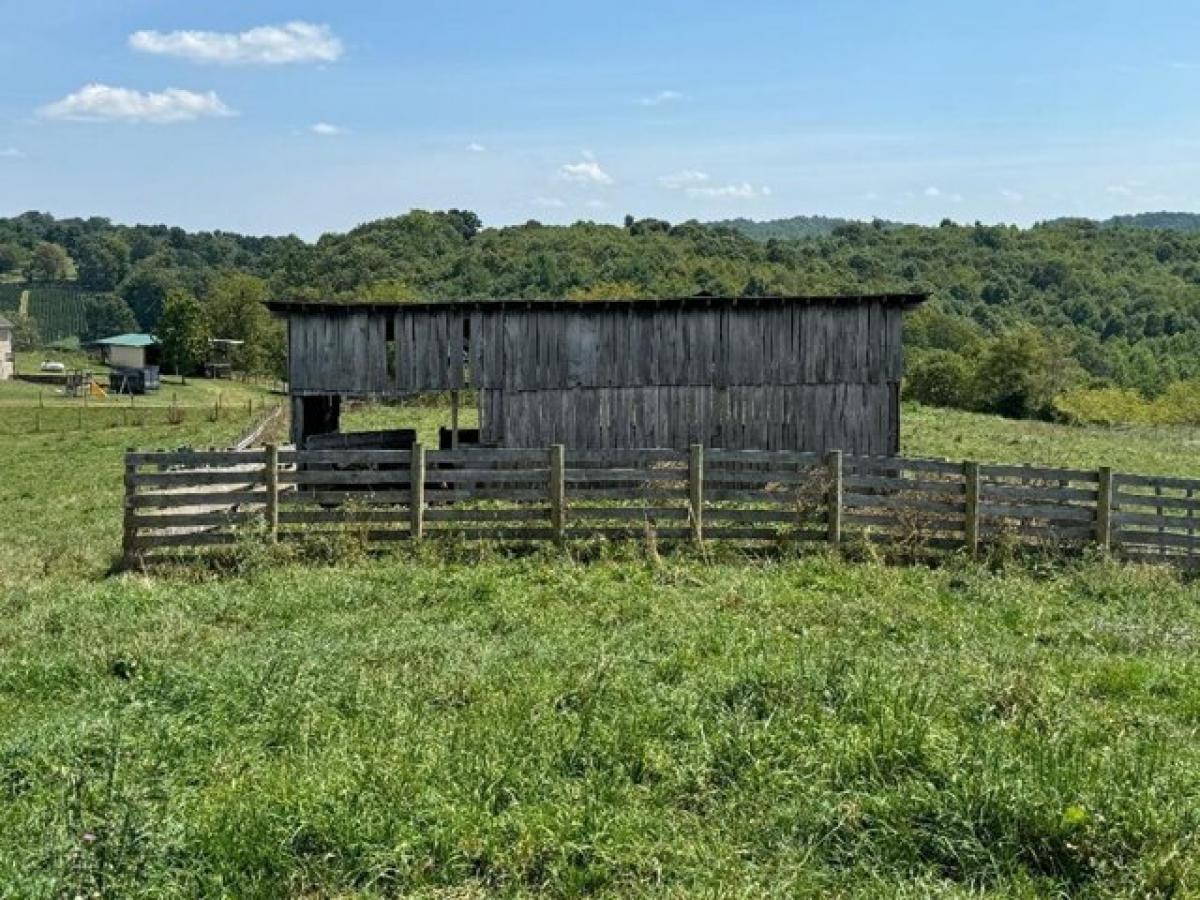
(833, 462)
(971, 507)
(1104, 504)
(416, 500)
(271, 468)
(128, 528)
(454, 420)
(558, 492)
(696, 490)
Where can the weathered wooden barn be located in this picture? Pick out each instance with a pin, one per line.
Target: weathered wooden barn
(774, 373)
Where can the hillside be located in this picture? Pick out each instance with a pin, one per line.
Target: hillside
(1186, 222)
(790, 229)
(1117, 305)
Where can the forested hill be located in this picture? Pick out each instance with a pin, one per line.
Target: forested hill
(794, 228)
(1168, 221)
(800, 227)
(1097, 304)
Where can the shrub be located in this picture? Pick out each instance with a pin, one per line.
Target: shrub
(940, 378)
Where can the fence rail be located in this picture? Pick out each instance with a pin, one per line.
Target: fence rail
(191, 499)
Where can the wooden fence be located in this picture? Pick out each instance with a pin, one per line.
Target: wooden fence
(190, 499)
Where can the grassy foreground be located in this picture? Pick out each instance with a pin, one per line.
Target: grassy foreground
(617, 726)
(456, 722)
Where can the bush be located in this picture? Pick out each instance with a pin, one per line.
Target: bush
(1020, 373)
(940, 378)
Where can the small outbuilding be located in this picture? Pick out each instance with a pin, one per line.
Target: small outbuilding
(771, 373)
(129, 351)
(134, 360)
(7, 357)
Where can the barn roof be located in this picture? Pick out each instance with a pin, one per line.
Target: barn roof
(905, 300)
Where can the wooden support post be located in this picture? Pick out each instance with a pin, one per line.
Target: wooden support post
(129, 555)
(1104, 506)
(271, 471)
(558, 492)
(833, 462)
(454, 420)
(696, 490)
(416, 500)
(971, 508)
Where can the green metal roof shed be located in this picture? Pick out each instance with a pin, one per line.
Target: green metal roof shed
(129, 340)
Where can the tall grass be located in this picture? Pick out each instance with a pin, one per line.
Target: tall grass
(457, 722)
(477, 724)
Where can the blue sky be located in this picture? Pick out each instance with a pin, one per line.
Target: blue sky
(290, 116)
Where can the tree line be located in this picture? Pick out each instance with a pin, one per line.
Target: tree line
(1017, 316)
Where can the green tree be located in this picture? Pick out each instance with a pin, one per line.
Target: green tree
(49, 262)
(146, 291)
(106, 315)
(183, 331)
(12, 257)
(940, 378)
(103, 261)
(26, 334)
(1021, 372)
(235, 311)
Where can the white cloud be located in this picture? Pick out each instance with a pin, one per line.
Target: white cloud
(325, 129)
(660, 98)
(101, 102)
(683, 178)
(549, 202)
(938, 193)
(10, 153)
(476, 147)
(588, 172)
(295, 42)
(743, 191)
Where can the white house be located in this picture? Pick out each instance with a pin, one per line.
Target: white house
(7, 363)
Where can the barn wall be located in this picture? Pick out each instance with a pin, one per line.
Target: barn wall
(788, 376)
(854, 417)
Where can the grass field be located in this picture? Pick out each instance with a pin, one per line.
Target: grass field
(455, 722)
(26, 407)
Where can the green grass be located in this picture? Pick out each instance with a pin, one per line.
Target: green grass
(456, 722)
(487, 724)
(1150, 450)
(26, 408)
(61, 491)
(425, 416)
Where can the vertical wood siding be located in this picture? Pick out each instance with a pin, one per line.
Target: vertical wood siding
(789, 376)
